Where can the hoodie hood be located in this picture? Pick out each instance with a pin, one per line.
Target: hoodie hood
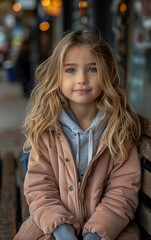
(83, 143)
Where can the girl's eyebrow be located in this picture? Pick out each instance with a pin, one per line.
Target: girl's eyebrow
(75, 64)
(91, 64)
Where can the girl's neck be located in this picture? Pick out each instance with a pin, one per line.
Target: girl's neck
(85, 116)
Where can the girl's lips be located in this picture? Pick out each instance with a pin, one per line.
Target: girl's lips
(82, 90)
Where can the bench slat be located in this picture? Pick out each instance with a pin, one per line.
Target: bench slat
(146, 183)
(24, 205)
(144, 217)
(8, 198)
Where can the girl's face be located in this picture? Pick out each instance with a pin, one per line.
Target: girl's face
(80, 82)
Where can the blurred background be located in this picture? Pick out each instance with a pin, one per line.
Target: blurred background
(30, 28)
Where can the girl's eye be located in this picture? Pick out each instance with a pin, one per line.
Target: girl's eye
(70, 70)
(92, 70)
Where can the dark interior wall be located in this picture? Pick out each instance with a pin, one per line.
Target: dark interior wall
(103, 18)
(67, 11)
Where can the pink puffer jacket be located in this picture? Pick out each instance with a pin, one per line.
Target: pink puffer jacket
(105, 202)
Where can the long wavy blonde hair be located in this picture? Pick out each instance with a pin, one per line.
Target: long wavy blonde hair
(47, 100)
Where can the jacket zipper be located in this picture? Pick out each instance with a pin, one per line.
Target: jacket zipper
(81, 208)
(81, 184)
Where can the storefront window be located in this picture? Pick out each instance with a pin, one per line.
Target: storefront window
(139, 69)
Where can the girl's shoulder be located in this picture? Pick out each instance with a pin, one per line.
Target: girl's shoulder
(49, 135)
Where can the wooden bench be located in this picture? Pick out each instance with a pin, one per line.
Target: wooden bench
(144, 210)
(14, 209)
(13, 206)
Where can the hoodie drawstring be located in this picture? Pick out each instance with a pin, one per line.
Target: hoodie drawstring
(78, 150)
(90, 148)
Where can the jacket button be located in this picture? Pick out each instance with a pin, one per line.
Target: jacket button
(67, 159)
(70, 188)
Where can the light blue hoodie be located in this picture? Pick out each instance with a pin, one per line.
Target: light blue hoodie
(83, 143)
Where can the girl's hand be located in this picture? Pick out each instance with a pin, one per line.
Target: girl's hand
(65, 232)
(92, 236)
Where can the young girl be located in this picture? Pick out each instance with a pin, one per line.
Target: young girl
(84, 173)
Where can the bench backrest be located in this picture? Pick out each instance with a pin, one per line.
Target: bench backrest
(144, 209)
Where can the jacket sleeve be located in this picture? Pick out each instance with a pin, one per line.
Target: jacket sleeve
(120, 199)
(42, 194)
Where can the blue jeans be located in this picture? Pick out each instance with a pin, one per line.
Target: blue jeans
(66, 232)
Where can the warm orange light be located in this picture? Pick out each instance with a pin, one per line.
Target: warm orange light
(17, 7)
(53, 8)
(83, 4)
(57, 3)
(123, 7)
(45, 3)
(44, 26)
